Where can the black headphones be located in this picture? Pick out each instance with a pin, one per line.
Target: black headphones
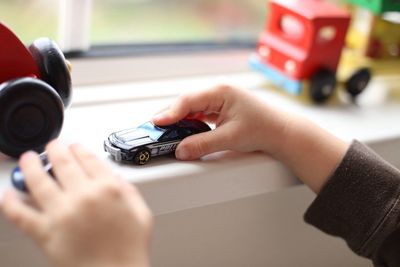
(32, 109)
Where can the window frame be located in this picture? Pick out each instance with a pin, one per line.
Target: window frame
(74, 24)
(122, 69)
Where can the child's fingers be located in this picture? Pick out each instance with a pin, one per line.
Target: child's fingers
(65, 167)
(198, 145)
(23, 216)
(42, 187)
(203, 101)
(92, 166)
(143, 213)
(134, 193)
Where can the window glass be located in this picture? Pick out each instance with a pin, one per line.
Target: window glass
(30, 19)
(326, 34)
(169, 135)
(168, 21)
(292, 27)
(183, 132)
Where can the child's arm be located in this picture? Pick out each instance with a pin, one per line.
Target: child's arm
(361, 204)
(359, 193)
(245, 123)
(88, 218)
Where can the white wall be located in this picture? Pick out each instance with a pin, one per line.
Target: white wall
(265, 230)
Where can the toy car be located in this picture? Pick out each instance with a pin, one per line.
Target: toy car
(148, 140)
(35, 88)
(18, 179)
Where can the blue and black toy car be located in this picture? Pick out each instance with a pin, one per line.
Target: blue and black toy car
(148, 140)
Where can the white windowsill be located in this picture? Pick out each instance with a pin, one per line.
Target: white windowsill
(111, 70)
(169, 185)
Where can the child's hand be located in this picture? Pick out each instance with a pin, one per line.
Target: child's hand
(88, 218)
(243, 122)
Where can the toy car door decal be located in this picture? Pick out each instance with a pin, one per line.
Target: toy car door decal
(167, 147)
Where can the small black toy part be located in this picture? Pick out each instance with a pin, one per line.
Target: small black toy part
(358, 81)
(322, 85)
(53, 67)
(31, 114)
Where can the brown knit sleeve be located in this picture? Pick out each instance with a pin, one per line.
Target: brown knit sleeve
(360, 203)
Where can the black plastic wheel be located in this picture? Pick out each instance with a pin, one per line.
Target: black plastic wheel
(53, 67)
(322, 85)
(31, 114)
(358, 81)
(142, 157)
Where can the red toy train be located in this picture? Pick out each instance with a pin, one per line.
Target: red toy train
(35, 88)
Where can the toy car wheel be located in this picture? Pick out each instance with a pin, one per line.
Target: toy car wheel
(358, 81)
(322, 86)
(53, 67)
(31, 114)
(142, 157)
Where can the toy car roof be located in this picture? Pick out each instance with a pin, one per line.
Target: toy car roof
(150, 128)
(192, 123)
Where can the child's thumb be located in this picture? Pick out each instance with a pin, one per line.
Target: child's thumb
(198, 145)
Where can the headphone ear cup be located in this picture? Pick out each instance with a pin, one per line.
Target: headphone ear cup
(31, 114)
(53, 67)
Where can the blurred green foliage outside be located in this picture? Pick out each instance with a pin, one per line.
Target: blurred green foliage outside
(143, 21)
(30, 19)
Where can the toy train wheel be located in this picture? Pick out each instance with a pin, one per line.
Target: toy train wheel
(31, 114)
(53, 67)
(322, 85)
(142, 157)
(358, 81)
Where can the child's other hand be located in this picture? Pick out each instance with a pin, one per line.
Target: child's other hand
(243, 122)
(88, 218)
